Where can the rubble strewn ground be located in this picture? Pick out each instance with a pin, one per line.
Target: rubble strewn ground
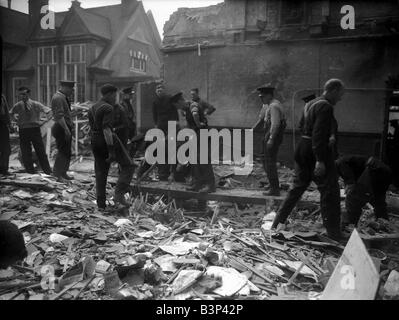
(158, 250)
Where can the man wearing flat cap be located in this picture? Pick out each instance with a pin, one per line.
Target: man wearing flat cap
(126, 103)
(104, 117)
(62, 129)
(272, 119)
(28, 113)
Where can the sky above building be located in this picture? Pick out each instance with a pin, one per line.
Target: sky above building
(161, 9)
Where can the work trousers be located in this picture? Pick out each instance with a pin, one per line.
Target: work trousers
(5, 148)
(363, 192)
(164, 170)
(270, 158)
(327, 186)
(203, 173)
(101, 167)
(64, 153)
(27, 138)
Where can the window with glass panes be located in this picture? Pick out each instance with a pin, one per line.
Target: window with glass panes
(139, 61)
(47, 73)
(75, 69)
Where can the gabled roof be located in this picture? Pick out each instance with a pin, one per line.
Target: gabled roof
(96, 25)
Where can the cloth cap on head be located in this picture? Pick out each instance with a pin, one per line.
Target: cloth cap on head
(128, 90)
(107, 88)
(176, 97)
(266, 90)
(309, 98)
(67, 83)
(23, 90)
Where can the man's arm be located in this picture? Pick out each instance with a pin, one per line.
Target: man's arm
(321, 132)
(208, 108)
(196, 117)
(275, 121)
(261, 120)
(57, 105)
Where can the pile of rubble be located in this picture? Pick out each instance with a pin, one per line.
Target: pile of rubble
(162, 251)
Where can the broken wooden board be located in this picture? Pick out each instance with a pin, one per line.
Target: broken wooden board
(177, 190)
(28, 184)
(355, 277)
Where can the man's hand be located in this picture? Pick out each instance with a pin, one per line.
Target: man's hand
(68, 135)
(111, 154)
(332, 141)
(270, 144)
(320, 169)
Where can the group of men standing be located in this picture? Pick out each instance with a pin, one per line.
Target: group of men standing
(166, 109)
(316, 159)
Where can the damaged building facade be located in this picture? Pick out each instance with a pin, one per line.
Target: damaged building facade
(230, 49)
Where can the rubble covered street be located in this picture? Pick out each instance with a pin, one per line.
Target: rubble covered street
(162, 251)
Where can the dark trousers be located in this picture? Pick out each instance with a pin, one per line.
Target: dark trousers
(5, 148)
(64, 153)
(164, 170)
(203, 173)
(27, 138)
(363, 192)
(327, 186)
(270, 158)
(101, 167)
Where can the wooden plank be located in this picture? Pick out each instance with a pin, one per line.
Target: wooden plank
(177, 190)
(27, 184)
(355, 277)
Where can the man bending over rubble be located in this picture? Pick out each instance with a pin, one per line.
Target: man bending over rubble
(314, 160)
(366, 181)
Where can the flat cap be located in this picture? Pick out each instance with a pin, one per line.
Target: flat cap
(309, 98)
(24, 90)
(107, 88)
(67, 83)
(265, 89)
(128, 90)
(176, 96)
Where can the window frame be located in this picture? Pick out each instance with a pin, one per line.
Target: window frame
(68, 61)
(304, 16)
(47, 66)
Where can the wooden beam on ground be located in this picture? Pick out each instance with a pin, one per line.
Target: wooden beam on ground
(28, 184)
(177, 190)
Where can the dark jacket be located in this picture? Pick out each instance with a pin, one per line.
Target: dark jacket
(316, 122)
(163, 111)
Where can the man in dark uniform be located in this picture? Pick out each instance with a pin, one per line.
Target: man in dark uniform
(5, 129)
(204, 178)
(366, 181)
(314, 160)
(126, 103)
(272, 119)
(164, 111)
(28, 113)
(104, 116)
(62, 129)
